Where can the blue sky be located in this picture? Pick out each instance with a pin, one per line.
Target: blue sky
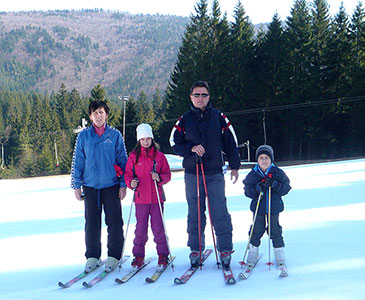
(258, 10)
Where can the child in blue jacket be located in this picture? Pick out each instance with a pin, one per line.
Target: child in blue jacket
(99, 152)
(264, 175)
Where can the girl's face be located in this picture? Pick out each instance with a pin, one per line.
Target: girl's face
(264, 162)
(145, 142)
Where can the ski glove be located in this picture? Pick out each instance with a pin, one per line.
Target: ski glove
(261, 186)
(270, 182)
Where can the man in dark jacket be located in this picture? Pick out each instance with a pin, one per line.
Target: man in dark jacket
(203, 134)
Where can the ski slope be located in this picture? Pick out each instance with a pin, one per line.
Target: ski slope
(42, 241)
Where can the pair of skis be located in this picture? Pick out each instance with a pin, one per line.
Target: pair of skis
(248, 268)
(227, 272)
(99, 277)
(135, 270)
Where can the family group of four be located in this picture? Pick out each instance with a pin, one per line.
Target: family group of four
(101, 170)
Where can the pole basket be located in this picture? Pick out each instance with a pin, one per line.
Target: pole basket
(242, 263)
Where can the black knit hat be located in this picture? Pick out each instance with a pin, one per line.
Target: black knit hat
(265, 149)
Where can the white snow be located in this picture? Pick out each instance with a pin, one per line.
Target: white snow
(42, 241)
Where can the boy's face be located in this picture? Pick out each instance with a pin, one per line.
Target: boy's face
(264, 162)
(98, 117)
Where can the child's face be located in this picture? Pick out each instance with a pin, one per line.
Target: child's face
(145, 142)
(264, 162)
(99, 117)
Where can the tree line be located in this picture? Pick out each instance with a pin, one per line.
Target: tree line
(310, 59)
(297, 85)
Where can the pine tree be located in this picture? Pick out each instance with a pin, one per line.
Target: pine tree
(357, 61)
(297, 86)
(62, 109)
(220, 61)
(270, 59)
(340, 83)
(240, 83)
(191, 62)
(339, 55)
(356, 134)
(159, 112)
(320, 23)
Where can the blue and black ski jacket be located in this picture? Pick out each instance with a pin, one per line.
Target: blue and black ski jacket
(281, 186)
(211, 129)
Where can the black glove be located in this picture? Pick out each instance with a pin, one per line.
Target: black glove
(262, 186)
(269, 181)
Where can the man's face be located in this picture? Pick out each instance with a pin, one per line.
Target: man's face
(98, 117)
(200, 97)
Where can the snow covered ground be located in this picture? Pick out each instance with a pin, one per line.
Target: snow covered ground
(42, 241)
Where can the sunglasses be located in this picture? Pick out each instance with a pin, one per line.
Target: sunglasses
(197, 95)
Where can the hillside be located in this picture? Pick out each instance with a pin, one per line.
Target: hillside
(123, 52)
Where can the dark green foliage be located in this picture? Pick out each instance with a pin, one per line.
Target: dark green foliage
(123, 52)
(309, 59)
(297, 85)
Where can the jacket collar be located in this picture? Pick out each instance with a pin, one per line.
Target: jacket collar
(199, 112)
(147, 152)
(258, 170)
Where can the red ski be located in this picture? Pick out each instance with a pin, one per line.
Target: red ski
(186, 276)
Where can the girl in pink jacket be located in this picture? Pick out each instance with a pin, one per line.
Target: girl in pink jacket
(145, 165)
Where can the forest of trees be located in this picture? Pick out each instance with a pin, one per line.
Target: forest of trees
(39, 50)
(298, 86)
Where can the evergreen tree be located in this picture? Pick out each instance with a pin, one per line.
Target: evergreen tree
(339, 55)
(240, 83)
(220, 61)
(320, 22)
(270, 59)
(191, 62)
(297, 86)
(339, 76)
(357, 63)
(62, 109)
(159, 112)
(357, 60)
(131, 124)
(98, 93)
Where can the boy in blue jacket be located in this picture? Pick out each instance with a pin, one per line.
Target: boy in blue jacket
(264, 175)
(99, 152)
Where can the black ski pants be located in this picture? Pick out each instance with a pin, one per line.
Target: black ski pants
(95, 200)
(260, 227)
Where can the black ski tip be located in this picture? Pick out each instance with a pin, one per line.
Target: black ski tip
(85, 284)
(231, 281)
(117, 280)
(149, 280)
(62, 285)
(178, 281)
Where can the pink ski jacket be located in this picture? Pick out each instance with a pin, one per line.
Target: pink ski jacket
(146, 190)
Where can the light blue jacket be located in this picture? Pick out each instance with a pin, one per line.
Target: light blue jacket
(94, 159)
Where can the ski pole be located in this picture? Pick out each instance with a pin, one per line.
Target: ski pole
(210, 215)
(252, 227)
(269, 229)
(162, 217)
(126, 231)
(199, 217)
